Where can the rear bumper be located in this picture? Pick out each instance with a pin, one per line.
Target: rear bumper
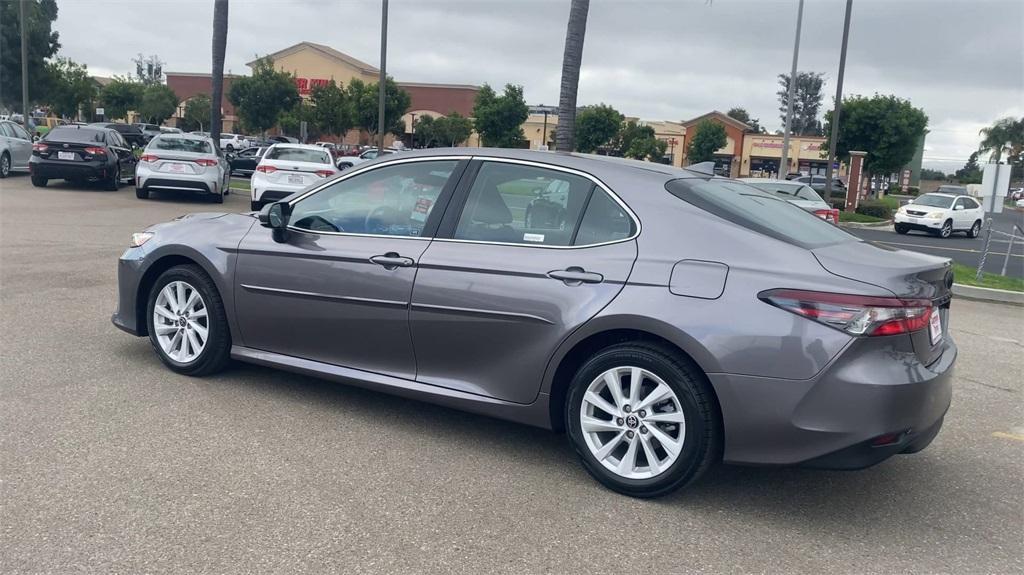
(181, 185)
(872, 402)
(58, 169)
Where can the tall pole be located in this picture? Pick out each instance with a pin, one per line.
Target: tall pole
(784, 162)
(382, 84)
(544, 144)
(23, 7)
(838, 105)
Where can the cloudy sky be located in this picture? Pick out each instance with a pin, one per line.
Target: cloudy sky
(962, 61)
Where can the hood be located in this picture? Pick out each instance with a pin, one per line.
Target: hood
(923, 209)
(188, 218)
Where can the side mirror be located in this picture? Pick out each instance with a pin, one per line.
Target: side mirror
(956, 208)
(275, 216)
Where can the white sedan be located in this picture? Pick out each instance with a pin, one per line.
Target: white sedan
(289, 168)
(232, 142)
(940, 214)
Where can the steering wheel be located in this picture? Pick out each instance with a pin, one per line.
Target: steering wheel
(379, 219)
(317, 224)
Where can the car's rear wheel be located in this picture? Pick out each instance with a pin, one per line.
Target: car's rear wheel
(5, 165)
(114, 183)
(946, 230)
(901, 229)
(642, 420)
(187, 323)
(39, 182)
(141, 193)
(975, 230)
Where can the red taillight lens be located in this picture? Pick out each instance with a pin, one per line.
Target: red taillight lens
(38, 147)
(149, 158)
(325, 173)
(854, 314)
(266, 169)
(94, 151)
(830, 216)
(206, 162)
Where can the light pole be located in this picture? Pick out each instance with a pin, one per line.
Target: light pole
(784, 167)
(544, 134)
(838, 105)
(412, 139)
(382, 85)
(22, 8)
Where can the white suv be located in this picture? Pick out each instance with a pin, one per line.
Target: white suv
(940, 214)
(232, 142)
(288, 168)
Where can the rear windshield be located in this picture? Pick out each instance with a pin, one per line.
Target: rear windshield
(788, 191)
(758, 211)
(934, 201)
(174, 144)
(78, 135)
(298, 155)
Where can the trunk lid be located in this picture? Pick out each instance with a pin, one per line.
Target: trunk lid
(908, 275)
(296, 173)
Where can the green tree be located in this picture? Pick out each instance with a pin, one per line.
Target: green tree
(628, 132)
(930, 174)
(158, 103)
(149, 70)
(291, 122)
(572, 61)
(119, 97)
(442, 131)
(197, 113)
(260, 99)
(70, 87)
(888, 128)
(807, 102)
(42, 44)
(708, 138)
(742, 115)
(499, 119)
(331, 111)
(596, 126)
(366, 106)
(1006, 136)
(970, 173)
(220, 43)
(645, 148)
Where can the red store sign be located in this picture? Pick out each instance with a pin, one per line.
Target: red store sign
(305, 85)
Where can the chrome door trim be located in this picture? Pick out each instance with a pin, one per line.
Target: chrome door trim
(317, 295)
(476, 311)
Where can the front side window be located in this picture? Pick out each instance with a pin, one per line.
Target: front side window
(19, 132)
(959, 204)
(389, 201)
(517, 204)
(970, 204)
(5, 130)
(298, 155)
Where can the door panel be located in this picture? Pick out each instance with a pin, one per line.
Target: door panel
(320, 297)
(486, 318)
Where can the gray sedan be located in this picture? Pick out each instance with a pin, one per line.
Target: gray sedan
(15, 148)
(670, 320)
(182, 163)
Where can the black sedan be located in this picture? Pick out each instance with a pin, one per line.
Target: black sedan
(245, 161)
(131, 133)
(82, 153)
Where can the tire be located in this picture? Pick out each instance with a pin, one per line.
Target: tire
(901, 229)
(690, 395)
(5, 165)
(141, 193)
(975, 230)
(39, 182)
(217, 198)
(229, 148)
(256, 205)
(114, 184)
(215, 348)
(946, 230)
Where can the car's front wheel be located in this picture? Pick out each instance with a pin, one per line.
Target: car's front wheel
(946, 230)
(114, 183)
(975, 230)
(187, 323)
(642, 420)
(901, 229)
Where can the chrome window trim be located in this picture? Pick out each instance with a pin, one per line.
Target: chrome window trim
(354, 171)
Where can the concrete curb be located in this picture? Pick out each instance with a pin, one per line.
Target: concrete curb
(988, 294)
(858, 225)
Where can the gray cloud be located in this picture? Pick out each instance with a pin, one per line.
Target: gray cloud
(961, 61)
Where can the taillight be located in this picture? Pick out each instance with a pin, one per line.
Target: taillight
(830, 216)
(94, 151)
(149, 158)
(266, 169)
(854, 314)
(325, 173)
(39, 147)
(206, 162)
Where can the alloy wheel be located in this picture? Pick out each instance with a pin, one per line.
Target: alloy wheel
(181, 322)
(632, 422)
(975, 229)
(947, 230)
(5, 166)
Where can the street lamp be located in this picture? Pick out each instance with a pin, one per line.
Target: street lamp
(412, 139)
(838, 104)
(784, 168)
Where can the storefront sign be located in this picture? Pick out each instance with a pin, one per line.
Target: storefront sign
(306, 85)
(766, 145)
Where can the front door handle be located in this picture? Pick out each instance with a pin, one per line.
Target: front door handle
(392, 260)
(574, 276)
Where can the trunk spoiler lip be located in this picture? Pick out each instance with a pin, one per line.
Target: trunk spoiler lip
(927, 289)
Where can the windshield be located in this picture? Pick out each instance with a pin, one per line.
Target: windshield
(934, 201)
(758, 211)
(298, 155)
(788, 190)
(78, 135)
(181, 145)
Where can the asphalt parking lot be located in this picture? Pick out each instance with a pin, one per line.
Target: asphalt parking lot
(111, 463)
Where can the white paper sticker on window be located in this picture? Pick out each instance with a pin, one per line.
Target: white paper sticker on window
(537, 238)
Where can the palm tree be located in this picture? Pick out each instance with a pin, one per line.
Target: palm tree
(999, 137)
(220, 42)
(572, 60)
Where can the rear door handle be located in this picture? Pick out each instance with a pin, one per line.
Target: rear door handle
(575, 276)
(392, 260)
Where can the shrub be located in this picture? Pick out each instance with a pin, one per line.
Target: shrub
(913, 190)
(876, 209)
(838, 204)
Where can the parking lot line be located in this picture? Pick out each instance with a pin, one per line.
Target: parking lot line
(1004, 435)
(940, 248)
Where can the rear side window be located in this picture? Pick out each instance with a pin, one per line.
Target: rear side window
(75, 135)
(298, 155)
(604, 221)
(970, 204)
(174, 144)
(5, 130)
(763, 213)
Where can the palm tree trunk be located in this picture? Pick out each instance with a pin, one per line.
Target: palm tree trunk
(572, 60)
(220, 42)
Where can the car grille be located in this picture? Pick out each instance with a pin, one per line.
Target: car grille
(913, 213)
